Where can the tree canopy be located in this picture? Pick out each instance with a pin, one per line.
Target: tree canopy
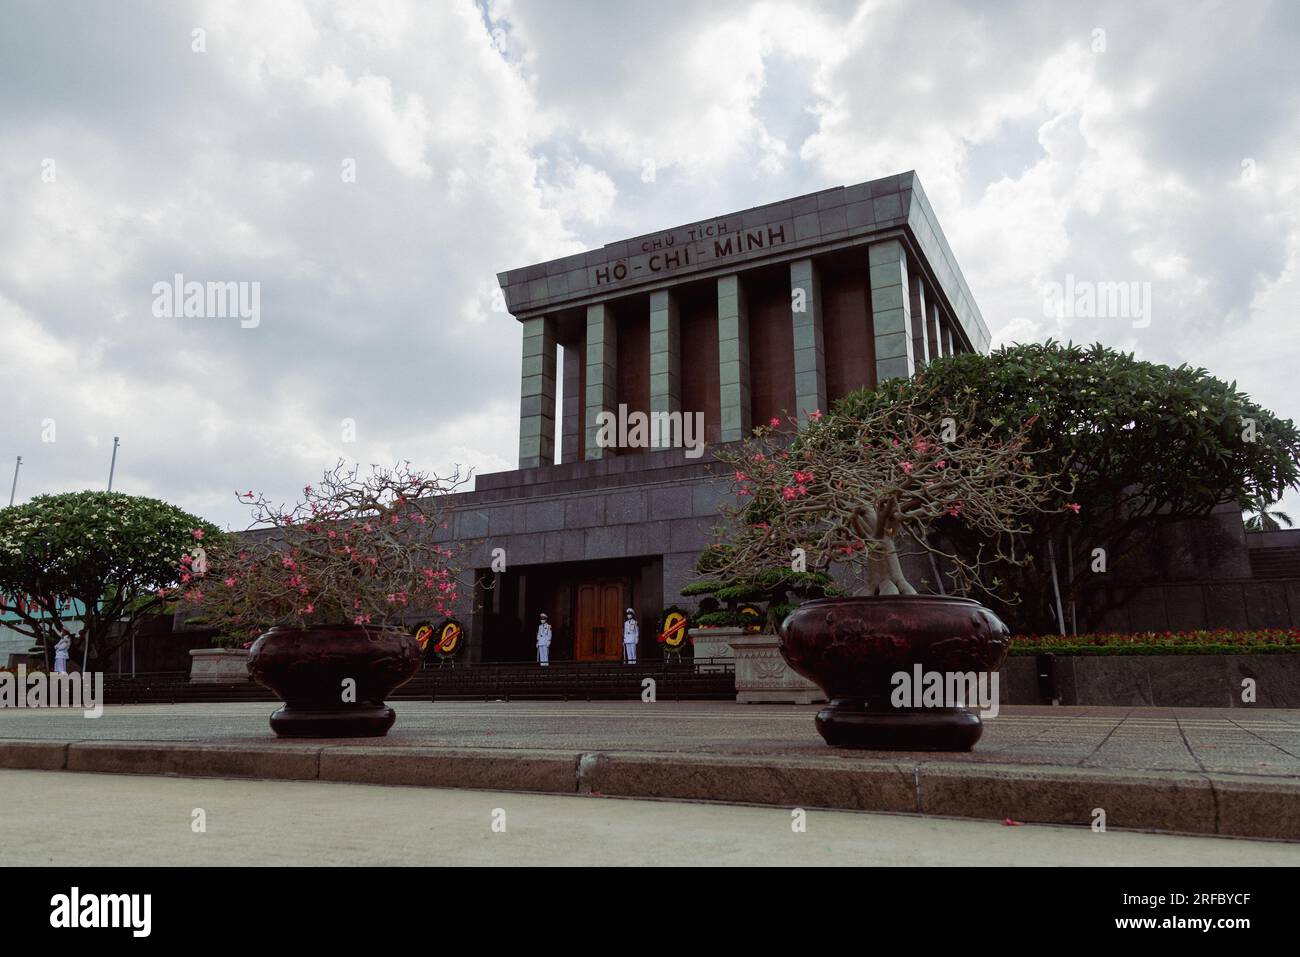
(860, 478)
(1141, 444)
(98, 557)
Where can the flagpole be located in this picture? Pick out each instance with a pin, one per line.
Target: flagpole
(14, 488)
(112, 465)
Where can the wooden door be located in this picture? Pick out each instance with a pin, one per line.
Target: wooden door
(598, 621)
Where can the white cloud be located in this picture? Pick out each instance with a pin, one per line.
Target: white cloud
(490, 140)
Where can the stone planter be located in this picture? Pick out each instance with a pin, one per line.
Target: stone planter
(712, 643)
(764, 677)
(218, 666)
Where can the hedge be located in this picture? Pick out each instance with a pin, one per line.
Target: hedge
(1222, 641)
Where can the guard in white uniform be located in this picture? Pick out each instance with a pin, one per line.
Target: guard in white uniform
(544, 642)
(631, 632)
(61, 655)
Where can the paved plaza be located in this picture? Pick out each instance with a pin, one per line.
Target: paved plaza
(1263, 743)
(1197, 771)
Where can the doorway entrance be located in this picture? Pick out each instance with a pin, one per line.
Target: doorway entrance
(598, 619)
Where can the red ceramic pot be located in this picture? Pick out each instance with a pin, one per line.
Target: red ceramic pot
(853, 648)
(310, 668)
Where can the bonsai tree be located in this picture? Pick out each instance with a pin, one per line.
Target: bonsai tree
(774, 586)
(102, 558)
(856, 481)
(1142, 445)
(355, 550)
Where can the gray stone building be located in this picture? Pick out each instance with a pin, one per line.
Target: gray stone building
(729, 321)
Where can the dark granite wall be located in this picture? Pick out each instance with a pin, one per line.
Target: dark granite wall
(698, 305)
(633, 317)
(850, 341)
(771, 348)
(662, 504)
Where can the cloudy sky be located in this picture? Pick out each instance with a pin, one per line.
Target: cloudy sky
(373, 165)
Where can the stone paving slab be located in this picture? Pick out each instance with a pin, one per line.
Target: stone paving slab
(1202, 771)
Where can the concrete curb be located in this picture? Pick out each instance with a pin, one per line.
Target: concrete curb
(1175, 801)
(284, 762)
(488, 770)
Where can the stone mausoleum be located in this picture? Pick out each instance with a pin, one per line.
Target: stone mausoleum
(770, 312)
(736, 319)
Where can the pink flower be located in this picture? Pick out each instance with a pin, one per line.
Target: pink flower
(942, 463)
(230, 582)
(741, 477)
(907, 468)
(1074, 507)
(815, 415)
(774, 422)
(789, 494)
(308, 608)
(198, 534)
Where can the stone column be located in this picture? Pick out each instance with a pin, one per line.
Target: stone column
(949, 343)
(917, 306)
(537, 394)
(733, 360)
(665, 360)
(571, 405)
(601, 376)
(891, 318)
(809, 344)
(934, 331)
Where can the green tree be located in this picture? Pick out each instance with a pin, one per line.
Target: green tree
(98, 557)
(1261, 516)
(1143, 445)
(780, 588)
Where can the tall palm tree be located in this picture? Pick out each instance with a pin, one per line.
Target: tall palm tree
(1259, 518)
